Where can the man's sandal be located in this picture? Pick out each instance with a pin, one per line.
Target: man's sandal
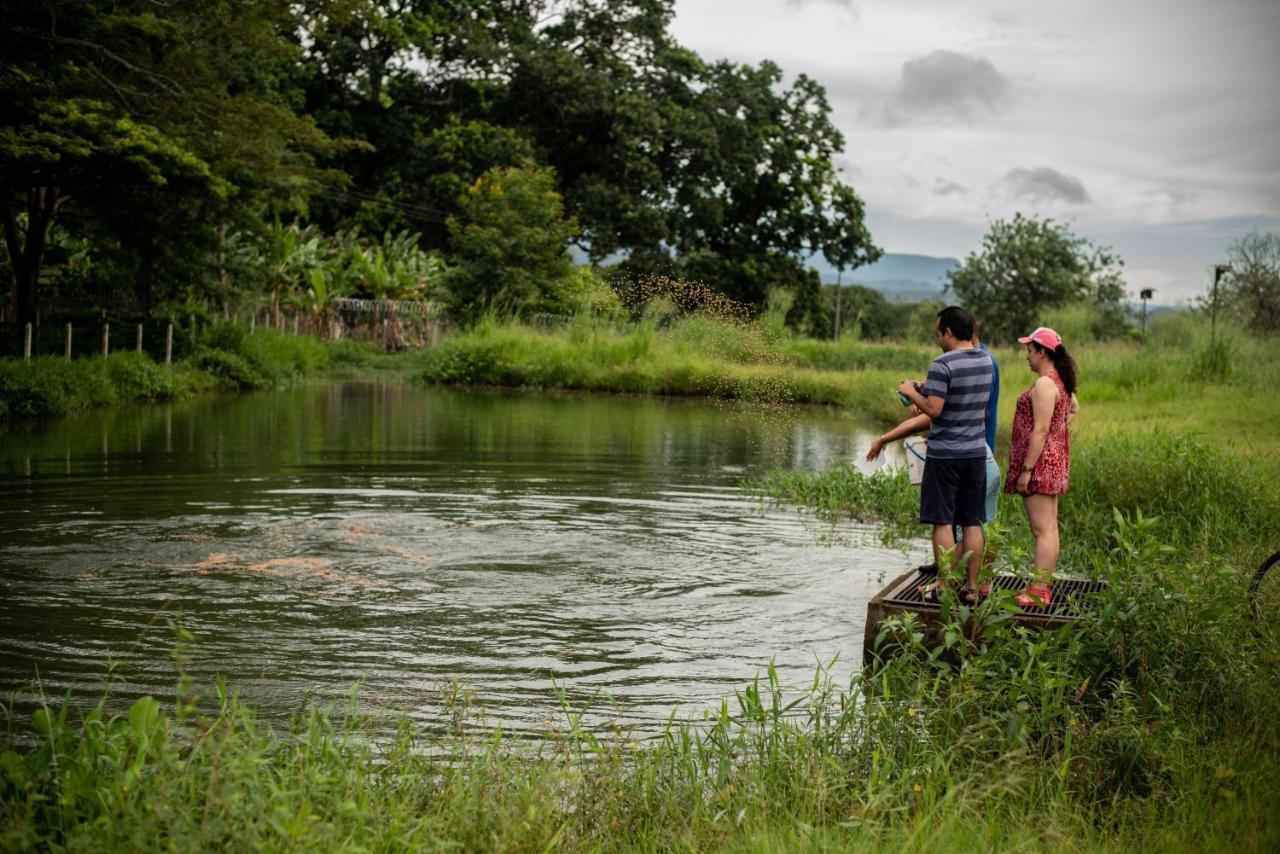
(931, 593)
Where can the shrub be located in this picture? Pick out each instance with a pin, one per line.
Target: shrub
(281, 357)
(136, 377)
(230, 367)
(221, 335)
(49, 386)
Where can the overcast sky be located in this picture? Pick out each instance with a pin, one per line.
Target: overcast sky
(1152, 126)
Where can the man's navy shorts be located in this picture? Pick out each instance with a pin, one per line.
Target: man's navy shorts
(953, 492)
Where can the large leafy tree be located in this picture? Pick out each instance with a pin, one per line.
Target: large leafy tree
(660, 152)
(717, 169)
(110, 105)
(1027, 265)
(412, 79)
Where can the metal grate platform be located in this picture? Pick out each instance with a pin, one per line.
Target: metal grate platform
(1070, 595)
(1071, 600)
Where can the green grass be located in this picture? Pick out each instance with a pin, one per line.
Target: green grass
(695, 355)
(51, 387)
(226, 358)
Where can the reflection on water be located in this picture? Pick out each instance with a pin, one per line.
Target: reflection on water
(402, 537)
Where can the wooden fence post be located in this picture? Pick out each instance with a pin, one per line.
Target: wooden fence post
(168, 344)
(139, 344)
(253, 320)
(66, 344)
(26, 342)
(295, 324)
(106, 339)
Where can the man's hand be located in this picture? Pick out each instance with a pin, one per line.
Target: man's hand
(908, 388)
(877, 445)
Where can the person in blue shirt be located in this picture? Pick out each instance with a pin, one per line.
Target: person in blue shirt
(919, 422)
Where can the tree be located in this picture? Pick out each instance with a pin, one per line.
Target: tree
(110, 104)
(867, 314)
(510, 241)
(1028, 265)
(656, 152)
(1253, 287)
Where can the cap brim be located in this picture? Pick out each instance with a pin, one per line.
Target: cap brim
(1026, 340)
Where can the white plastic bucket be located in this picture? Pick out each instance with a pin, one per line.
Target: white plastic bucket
(915, 457)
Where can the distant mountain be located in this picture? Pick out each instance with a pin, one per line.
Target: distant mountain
(899, 276)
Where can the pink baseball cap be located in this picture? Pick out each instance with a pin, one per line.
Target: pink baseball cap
(1045, 337)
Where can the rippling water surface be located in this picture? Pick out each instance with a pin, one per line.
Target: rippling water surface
(401, 538)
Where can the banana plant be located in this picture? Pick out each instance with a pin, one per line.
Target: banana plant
(290, 253)
(317, 300)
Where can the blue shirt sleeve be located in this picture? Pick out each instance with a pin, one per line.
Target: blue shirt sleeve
(993, 402)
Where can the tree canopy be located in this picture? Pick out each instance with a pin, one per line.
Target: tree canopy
(1027, 265)
(154, 130)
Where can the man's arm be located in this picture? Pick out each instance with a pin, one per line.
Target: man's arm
(930, 405)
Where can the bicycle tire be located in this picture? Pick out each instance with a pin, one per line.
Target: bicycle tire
(1256, 584)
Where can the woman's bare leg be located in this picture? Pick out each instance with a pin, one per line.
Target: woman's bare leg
(1042, 513)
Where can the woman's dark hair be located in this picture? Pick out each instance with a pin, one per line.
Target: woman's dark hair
(1062, 363)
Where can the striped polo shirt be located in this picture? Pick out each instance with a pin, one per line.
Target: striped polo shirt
(962, 378)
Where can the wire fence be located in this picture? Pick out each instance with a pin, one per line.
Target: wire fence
(388, 324)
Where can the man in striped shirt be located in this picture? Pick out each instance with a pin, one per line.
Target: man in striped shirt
(955, 396)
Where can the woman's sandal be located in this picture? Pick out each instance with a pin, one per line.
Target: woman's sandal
(1035, 596)
(972, 598)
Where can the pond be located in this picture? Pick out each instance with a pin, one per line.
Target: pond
(402, 539)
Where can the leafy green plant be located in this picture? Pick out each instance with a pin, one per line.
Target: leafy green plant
(230, 367)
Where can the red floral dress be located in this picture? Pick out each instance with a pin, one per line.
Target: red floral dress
(1053, 468)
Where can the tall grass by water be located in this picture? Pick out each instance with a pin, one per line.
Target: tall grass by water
(228, 357)
(692, 355)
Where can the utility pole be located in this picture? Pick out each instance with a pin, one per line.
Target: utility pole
(839, 290)
(1145, 294)
(1218, 271)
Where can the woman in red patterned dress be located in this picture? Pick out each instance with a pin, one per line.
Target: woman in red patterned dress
(1040, 452)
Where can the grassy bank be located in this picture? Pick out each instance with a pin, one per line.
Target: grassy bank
(693, 355)
(226, 358)
(1174, 379)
